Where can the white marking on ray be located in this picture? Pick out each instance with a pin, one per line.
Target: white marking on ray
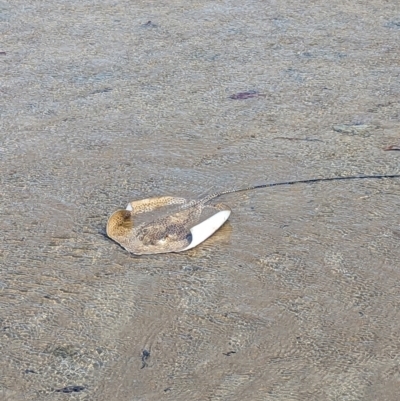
(207, 228)
(129, 207)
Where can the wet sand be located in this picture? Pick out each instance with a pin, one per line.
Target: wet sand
(297, 297)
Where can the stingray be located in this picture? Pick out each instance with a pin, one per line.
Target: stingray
(188, 224)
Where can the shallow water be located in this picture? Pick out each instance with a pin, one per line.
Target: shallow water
(297, 297)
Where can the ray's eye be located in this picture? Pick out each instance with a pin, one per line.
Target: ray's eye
(126, 215)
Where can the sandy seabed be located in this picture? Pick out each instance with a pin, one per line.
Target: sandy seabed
(103, 102)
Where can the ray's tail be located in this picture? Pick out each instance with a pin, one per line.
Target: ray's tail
(214, 195)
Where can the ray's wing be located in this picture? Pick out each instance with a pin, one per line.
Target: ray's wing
(207, 228)
(151, 204)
